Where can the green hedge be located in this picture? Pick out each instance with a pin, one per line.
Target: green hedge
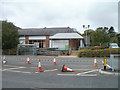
(98, 52)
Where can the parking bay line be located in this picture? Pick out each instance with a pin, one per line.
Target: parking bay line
(83, 69)
(87, 72)
(48, 70)
(81, 74)
(67, 74)
(77, 75)
(13, 68)
(19, 71)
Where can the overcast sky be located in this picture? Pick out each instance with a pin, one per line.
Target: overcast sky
(61, 13)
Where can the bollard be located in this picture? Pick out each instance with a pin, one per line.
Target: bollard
(105, 61)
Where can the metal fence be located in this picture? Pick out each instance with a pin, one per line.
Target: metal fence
(27, 51)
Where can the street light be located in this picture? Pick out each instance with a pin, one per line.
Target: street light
(86, 27)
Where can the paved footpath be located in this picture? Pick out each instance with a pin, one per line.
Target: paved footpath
(17, 74)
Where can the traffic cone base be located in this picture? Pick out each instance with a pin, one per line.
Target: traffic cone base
(4, 61)
(95, 64)
(54, 63)
(40, 69)
(66, 69)
(28, 62)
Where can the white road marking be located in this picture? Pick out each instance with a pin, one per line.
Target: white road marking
(81, 74)
(88, 75)
(83, 69)
(77, 75)
(67, 74)
(50, 70)
(19, 71)
(13, 68)
(88, 72)
(36, 72)
(33, 67)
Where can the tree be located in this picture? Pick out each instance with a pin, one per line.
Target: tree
(9, 35)
(118, 39)
(111, 30)
(89, 31)
(113, 40)
(102, 36)
(99, 37)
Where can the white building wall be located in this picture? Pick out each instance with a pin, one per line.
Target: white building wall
(81, 43)
(37, 37)
(51, 46)
(22, 40)
(59, 44)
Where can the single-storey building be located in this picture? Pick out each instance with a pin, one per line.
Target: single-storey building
(63, 38)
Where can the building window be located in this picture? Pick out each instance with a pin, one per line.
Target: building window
(42, 44)
(31, 42)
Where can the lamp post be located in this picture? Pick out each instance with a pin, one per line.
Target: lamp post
(86, 27)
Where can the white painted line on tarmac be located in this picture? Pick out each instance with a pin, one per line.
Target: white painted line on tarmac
(50, 70)
(36, 72)
(81, 74)
(19, 71)
(33, 67)
(77, 75)
(88, 72)
(13, 68)
(83, 69)
(88, 75)
(67, 74)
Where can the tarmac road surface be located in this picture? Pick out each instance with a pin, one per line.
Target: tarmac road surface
(17, 74)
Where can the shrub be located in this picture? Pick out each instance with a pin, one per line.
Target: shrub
(98, 52)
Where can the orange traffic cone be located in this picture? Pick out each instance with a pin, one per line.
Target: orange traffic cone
(95, 62)
(4, 61)
(66, 69)
(28, 60)
(39, 67)
(54, 61)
